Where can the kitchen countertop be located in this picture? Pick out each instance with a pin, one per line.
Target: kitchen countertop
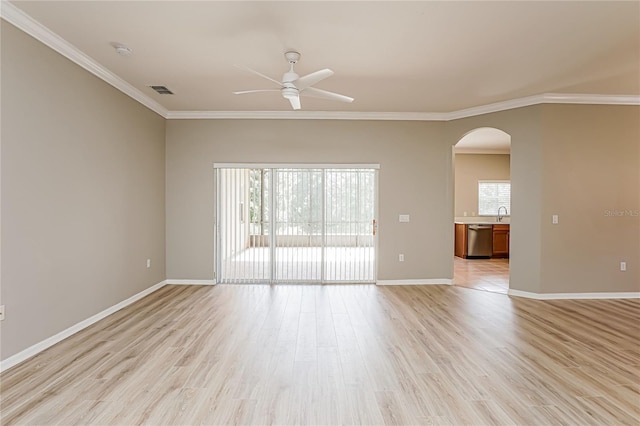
(480, 221)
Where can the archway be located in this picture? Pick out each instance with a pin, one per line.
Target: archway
(482, 210)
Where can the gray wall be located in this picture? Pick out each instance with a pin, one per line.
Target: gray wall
(524, 125)
(591, 157)
(577, 161)
(414, 178)
(83, 171)
(600, 143)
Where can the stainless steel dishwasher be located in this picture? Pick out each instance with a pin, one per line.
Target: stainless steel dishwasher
(479, 241)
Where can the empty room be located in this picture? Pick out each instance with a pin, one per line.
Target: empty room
(319, 212)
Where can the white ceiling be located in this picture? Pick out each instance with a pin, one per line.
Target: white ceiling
(419, 57)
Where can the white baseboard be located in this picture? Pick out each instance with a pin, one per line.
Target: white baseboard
(436, 281)
(191, 282)
(39, 347)
(557, 296)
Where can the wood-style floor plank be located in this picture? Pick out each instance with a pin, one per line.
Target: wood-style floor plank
(342, 354)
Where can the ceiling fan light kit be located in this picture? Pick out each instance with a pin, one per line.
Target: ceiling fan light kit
(293, 86)
(289, 92)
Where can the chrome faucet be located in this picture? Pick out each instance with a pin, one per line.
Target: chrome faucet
(500, 217)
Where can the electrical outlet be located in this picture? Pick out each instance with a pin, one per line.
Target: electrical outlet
(401, 258)
(1, 312)
(623, 266)
(148, 263)
(554, 219)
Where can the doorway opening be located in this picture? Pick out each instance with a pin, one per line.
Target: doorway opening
(296, 224)
(482, 210)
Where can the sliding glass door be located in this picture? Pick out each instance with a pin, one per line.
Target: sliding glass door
(298, 225)
(282, 224)
(350, 225)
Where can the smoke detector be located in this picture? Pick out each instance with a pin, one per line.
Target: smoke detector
(121, 49)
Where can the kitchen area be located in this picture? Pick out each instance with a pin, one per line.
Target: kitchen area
(481, 239)
(482, 211)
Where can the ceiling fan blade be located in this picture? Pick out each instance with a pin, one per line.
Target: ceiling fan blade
(311, 79)
(312, 92)
(245, 68)
(242, 92)
(295, 102)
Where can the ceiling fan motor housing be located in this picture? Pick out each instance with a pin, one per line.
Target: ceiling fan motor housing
(289, 77)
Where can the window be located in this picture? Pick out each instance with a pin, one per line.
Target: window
(493, 194)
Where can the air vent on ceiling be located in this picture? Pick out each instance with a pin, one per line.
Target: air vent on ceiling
(162, 90)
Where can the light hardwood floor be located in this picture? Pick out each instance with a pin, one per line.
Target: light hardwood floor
(482, 274)
(350, 354)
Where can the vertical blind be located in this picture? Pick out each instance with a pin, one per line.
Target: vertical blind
(295, 224)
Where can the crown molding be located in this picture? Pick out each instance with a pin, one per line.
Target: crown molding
(307, 115)
(545, 98)
(592, 99)
(24, 22)
(496, 107)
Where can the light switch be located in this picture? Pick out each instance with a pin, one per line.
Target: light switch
(404, 218)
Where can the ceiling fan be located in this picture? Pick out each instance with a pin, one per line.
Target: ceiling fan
(293, 86)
